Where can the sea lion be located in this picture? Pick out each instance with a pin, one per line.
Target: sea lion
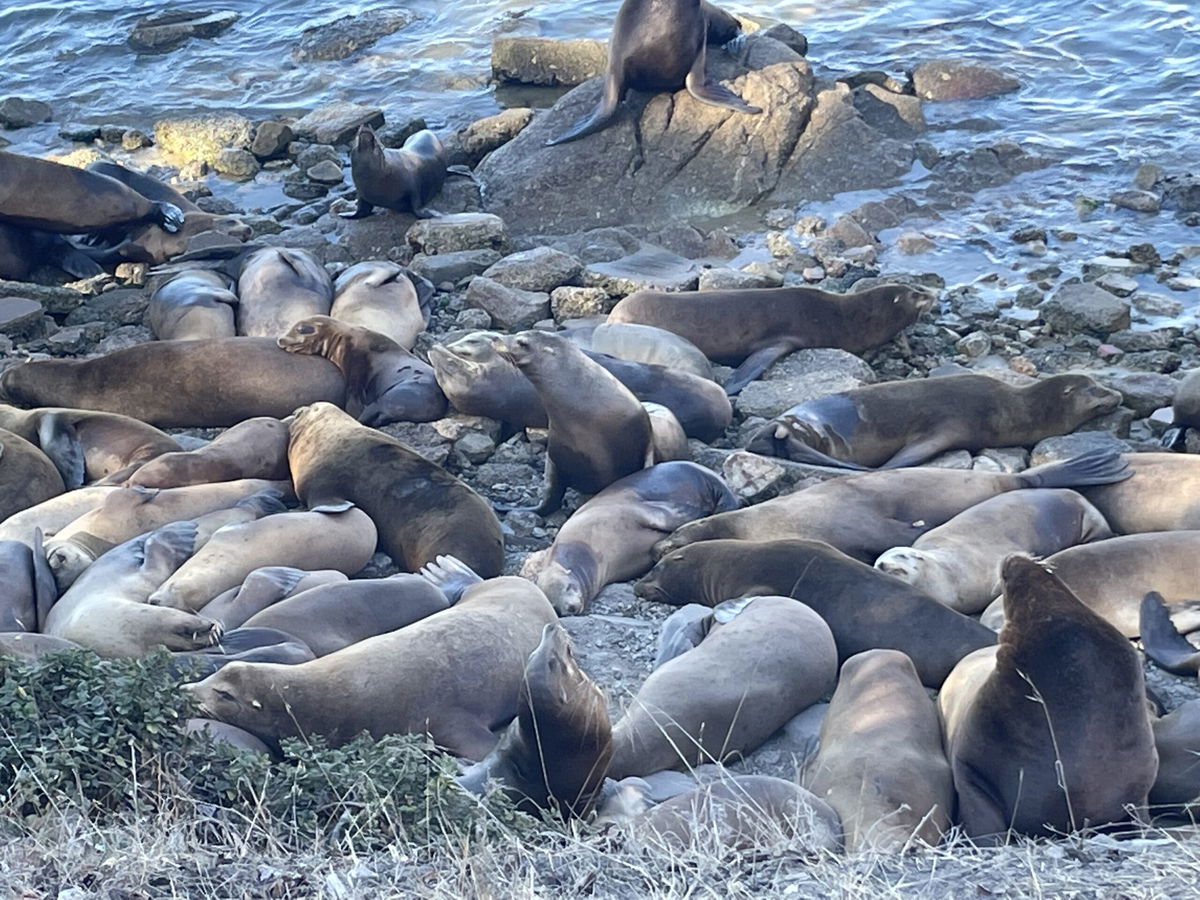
(257, 645)
(277, 287)
(263, 587)
(905, 423)
(184, 384)
(1162, 495)
(29, 588)
(554, 754)
(50, 516)
(656, 45)
(384, 382)
(864, 608)
(255, 448)
(86, 445)
(1055, 736)
(106, 610)
(610, 537)
(959, 562)
(27, 475)
(668, 443)
(753, 327)
(593, 443)
(336, 540)
(1176, 788)
(404, 180)
(864, 515)
(222, 733)
(381, 296)
(765, 660)
(881, 765)
(644, 344)
(1185, 409)
(408, 681)
(1162, 642)
(24, 249)
(193, 305)
(29, 645)
(331, 617)
(421, 510)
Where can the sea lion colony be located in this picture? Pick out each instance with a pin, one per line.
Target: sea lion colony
(244, 555)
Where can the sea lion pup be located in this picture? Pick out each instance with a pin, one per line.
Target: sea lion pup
(255, 448)
(591, 443)
(384, 382)
(182, 384)
(1111, 577)
(753, 327)
(554, 754)
(881, 765)
(277, 287)
(51, 515)
(410, 681)
(383, 297)
(864, 608)
(1055, 736)
(644, 344)
(106, 610)
(404, 180)
(610, 537)
(191, 306)
(1163, 643)
(50, 196)
(763, 660)
(262, 588)
(959, 562)
(421, 510)
(331, 617)
(334, 540)
(864, 515)
(1162, 495)
(1176, 789)
(85, 445)
(27, 475)
(1186, 410)
(905, 423)
(656, 45)
(24, 249)
(29, 588)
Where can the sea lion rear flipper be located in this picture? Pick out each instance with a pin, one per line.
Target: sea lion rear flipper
(712, 92)
(425, 292)
(462, 171)
(59, 441)
(451, 576)
(361, 210)
(426, 212)
(74, 261)
(755, 364)
(168, 216)
(1162, 642)
(916, 453)
(45, 588)
(265, 502)
(600, 117)
(1174, 438)
(1100, 466)
(683, 630)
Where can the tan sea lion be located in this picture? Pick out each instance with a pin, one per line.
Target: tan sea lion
(881, 765)
(644, 344)
(864, 608)
(222, 733)
(1055, 736)
(408, 681)
(384, 382)
(277, 287)
(27, 475)
(262, 588)
(668, 443)
(1162, 495)
(404, 180)
(421, 510)
(865, 515)
(754, 327)
(193, 305)
(185, 384)
(763, 661)
(255, 448)
(381, 296)
(959, 562)
(905, 423)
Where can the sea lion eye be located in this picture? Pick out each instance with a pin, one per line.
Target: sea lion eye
(305, 329)
(225, 695)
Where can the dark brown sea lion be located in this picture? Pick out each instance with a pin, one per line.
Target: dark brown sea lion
(554, 754)
(1176, 788)
(1186, 409)
(384, 382)
(1162, 642)
(752, 328)
(864, 515)
(185, 384)
(1162, 495)
(385, 298)
(277, 287)
(404, 180)
(254, 448)
(657, 45)
(864, 608)
(1049, 732)
(27, 475)
(222, 733)
(905, 423)
(421, 510)
(193, 305)
(24, 249)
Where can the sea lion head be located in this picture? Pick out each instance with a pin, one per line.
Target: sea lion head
(68, 558)
(920, 570)
(233, 695)
(916, 298)
(562, 589)
(526, 349)
(1079, 394)
(311, 336)
(366, 145)
(665, 582)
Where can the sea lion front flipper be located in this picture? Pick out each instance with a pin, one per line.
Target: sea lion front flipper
(59, 441)
(600, 117)
(682, 631)
(712, 92)
(45, 588)
(755, 364)
(917, 452)
(361, 210)
(556, 489)
(427, 212)
(451, 576)
(1174, 438)
(1162, 642)
(168, 216)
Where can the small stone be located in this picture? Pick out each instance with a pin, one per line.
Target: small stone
(732, 280)
(953, 79)
(337, 122)
(473, 320)
(800, 376)
(1109, 352)
(135, 140)
(849, 232)
(951, 459)
(271, 139)
(1146, 254)
(236, 163)
(193, 170)
(475, 447)
(1085, 308)
(809, 226)
(580, 303)
(1138, 201)
(1033, 248)
(461, 231)
(975, 344)
(163, 32)
(780, 245)
(19, 315)
(325, 172)
(541, 269)
(812, 274)
(751, 476)
(81, 134)
(914, 243)
(483, 136)
(1156, 304)
(1056, 449)
(453, 266)
(203, 137)
(510, 308)
(1143, 392)
(1147, 176)
(1121, 285)
(132, 273)
(1114, 265)
(1183, 283)
(1029, 233)
(765, 270)
(781, 217)
(298, 186)
(1006, 459)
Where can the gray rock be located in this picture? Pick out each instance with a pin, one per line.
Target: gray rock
(650, 268)
(1121, 285)
(1181, 192)
(311, 154)
(800, 376)
(1138, 201)
(539, 269)
(297, 186)
(580, 303)
(753, 477)
(378, 236)
(202, 138)
(975, 344)
(461, 231)
(1054, 449)
(475, 447)
(163, 32)
(1147, 176)
(346, 36)
(510, 308)
(135, 140)
(19, 316)
(271, 139)
(956, 79)
(483, 136)
(337, 122)
(17, 112)
(326, 172)
(733, 279)
(1113, 265)
(453, 266)
(1156, 304)
(237, 163)
(548, 61)
(125, 337)
(951, 459)
(422, 437)
(57, 301)
(1004, 459)
(454, 427)
(896, 115)
(1183, 283)
(1085, 308)
(786, 35)
(1143, 392)
(472, 320)
(118, 307)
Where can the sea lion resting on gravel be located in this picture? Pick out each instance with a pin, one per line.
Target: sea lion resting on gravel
(193, 305)
(1162, 495)
(644, 344)
(277, 287)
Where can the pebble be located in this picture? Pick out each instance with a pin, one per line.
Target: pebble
(325, 172)
(1147, 176)
(580, 303)
(975, 344)
(1156, 304)
(1029, 233)
(19, 315)
(1121, 285)
(751, 476)
(1114, 265)
(135, 140)
(271, 139)
(1138, 201)
(1183, 283)
(236, 163)
(17, 112)
(166, 31)
(914, 243)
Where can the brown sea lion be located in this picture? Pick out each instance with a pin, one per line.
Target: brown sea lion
(382, 296)
(184, 384)
(193, 305)
(657, 45)
(384, 382)
(404, 180)
(408, 681)
(864, 608)
(27, 475)
(1162, 495)
(1186, 411)
(51, 515)
(554, 754)
(754, 327)
(277, 287)
(255, 448)
(421, 510)
(881, 765)
(905, 423)
(262, 588)
(1176, 788)
(1162, 642)
(959, 562)
(644, 344)
(668, 443)
(24, 249)
(864, 515)
(1054, 735)
(763, 661)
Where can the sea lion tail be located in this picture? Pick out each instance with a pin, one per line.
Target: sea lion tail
(451, 576)
(1162, 642)
(1102, 466)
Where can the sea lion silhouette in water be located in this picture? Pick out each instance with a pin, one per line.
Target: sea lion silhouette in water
(657, 45)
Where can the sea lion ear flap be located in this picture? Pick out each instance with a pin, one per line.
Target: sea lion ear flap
(59, 441)
(45, 588)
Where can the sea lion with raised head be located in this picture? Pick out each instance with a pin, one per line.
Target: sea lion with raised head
(403, 180)
(277, 287)
(753, 327)
(384, 297)
(193, 305)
